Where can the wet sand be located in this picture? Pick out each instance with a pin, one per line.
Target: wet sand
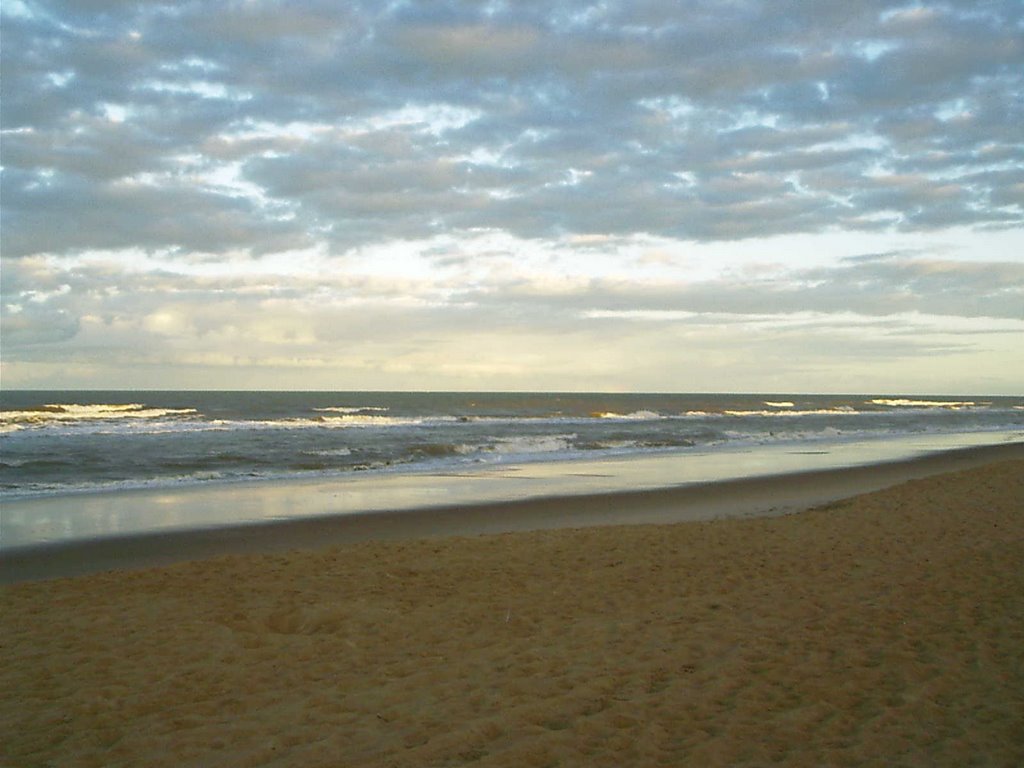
(303, 515)
(884, 629)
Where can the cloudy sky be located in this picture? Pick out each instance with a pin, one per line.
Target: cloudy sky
(726, 195)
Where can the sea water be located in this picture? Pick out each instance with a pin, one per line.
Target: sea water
(58, 443)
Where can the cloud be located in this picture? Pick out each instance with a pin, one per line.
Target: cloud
(699, 121)
(482, 190)
(514, 327)
(876, 285)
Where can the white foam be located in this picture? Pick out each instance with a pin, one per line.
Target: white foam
(779, 404)
(352, 409)
(333, 452)
(319, 422)
(841, 410)
(64, 412)
(527, 444)
(907, 403)
(634, 416)
(361, 420)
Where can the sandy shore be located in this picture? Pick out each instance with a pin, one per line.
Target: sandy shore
(886, 629)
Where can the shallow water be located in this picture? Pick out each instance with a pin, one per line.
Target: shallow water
(68, 517)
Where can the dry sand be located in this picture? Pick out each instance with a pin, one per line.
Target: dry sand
(887, 629)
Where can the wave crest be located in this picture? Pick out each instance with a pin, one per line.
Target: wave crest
(634, 416)
(908, 403)
(63, 412)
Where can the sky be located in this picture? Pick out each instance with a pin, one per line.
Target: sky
(732, 196)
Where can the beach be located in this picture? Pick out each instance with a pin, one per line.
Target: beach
(885, 628)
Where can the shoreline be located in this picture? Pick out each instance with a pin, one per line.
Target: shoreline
(757, 496)
(51, 519)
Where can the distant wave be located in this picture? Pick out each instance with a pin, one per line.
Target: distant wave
(906, 403)
(359, 420)
(353, 409)
(841, 410)
(634, 416)
(67, 412)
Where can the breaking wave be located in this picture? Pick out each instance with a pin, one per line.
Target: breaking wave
(907, 403)
(55, 442)
(73, 412)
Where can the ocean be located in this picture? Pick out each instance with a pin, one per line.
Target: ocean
(59, 443)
